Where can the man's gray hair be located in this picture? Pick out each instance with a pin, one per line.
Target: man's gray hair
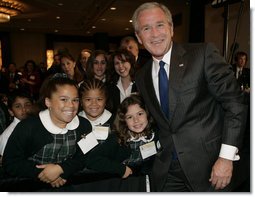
(150, 5)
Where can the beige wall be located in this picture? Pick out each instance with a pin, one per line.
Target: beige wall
(215, 25)
(25, 46)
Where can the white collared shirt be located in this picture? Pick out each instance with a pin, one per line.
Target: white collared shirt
(6, 134)
(238, 69)
(155, 70)
(106, 115)
(123, 93)
(54, 129)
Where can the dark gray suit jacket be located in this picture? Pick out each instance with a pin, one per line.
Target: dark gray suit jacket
(206, 110)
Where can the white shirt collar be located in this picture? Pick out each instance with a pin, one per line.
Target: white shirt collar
(52, 128)
(100, 120)
(166, 58)
(132, 139)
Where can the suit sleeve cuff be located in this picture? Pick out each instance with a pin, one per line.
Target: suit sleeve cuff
(229, 152)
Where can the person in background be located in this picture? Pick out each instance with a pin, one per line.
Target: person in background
(55, 67)
(30, 80)
(97, 66)
(242, 73)
(68, 65)
(42, 67)
(82, 61)
(124, 151)
(4, 87)
(45, 146)
(141, 56)
(3, 117)
(196, 102)
(13, 76)
(122, 74)
(94, 96)
(20, 106)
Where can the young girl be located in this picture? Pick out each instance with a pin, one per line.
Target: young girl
(93, 94)
(45, 146)
(19, 106)
(132, 146)
(97, 66)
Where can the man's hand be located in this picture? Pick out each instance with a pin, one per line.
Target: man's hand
(221, 173)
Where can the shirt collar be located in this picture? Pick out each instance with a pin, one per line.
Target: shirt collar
(166, 58)
(52, 128)
(142, 138)
(100, 120)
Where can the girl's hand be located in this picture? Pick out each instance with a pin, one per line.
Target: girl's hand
(50, 172)
(58, 182)
(127, 172)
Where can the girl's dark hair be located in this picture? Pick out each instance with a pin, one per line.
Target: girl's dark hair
(90, 64)
(15, 94)
(120, 125)
(93, 84)
(125, 56)
(50, 86)
(67, 55)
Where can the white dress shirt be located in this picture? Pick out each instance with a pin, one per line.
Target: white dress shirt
(6, 134)
(123, 93)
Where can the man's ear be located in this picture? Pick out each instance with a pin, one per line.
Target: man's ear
(138, 38)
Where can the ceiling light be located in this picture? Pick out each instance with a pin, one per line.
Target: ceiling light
(4, 18)
(9, 8)
(113, 8)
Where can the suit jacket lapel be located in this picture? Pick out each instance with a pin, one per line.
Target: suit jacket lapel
(177, 68)
(148, 79)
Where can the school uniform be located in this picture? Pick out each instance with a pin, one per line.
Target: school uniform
(105, 121)
(36, 140)
(116, 157)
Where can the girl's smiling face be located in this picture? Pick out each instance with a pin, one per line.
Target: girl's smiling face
(136, 118)
(63, 105)
(93, 103)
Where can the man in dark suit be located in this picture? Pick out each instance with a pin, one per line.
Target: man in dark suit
(141, 55)
(201, 125)
(242, 73)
